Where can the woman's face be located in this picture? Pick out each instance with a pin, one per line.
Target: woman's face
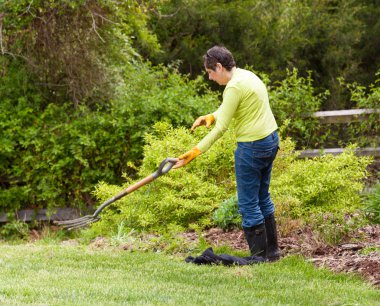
(217, 75)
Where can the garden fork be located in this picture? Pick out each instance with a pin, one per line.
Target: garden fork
(164, 168)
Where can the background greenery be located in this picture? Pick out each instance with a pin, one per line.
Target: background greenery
(82, 82)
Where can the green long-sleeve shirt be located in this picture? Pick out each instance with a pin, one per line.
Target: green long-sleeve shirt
(245, 99)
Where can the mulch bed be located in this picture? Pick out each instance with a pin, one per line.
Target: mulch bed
(346, 257)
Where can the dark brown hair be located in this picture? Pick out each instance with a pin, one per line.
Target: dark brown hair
(219, 54)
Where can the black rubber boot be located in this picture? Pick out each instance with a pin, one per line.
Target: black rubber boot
(273, 252)
(257, 239)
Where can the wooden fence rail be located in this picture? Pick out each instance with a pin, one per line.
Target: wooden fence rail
(375, 152)
(345, 115)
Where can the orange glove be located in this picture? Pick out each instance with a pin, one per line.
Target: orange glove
(184, 159)
(206, 120)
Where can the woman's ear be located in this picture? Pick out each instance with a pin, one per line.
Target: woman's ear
(218, 67)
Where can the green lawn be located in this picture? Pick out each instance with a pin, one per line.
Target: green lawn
(72, 275)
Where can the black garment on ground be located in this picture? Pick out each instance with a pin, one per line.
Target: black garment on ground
(208, 257)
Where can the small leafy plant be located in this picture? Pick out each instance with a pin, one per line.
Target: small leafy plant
(227, 215)
(372, 205)
(14, 230)
(333, 228)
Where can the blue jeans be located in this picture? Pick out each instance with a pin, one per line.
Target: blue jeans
(253, 167)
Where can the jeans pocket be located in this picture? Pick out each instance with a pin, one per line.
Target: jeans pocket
(262, 153)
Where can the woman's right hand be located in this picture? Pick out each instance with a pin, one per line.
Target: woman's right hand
(184, 159)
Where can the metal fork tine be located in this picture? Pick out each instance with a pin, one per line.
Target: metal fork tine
(78, 223)
(74, 221)
(66, 225)
(82, 224)
(71, 227)
(69, 222)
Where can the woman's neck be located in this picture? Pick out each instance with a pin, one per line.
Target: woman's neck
(228, 75)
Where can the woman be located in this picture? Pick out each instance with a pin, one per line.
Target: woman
(245, 99)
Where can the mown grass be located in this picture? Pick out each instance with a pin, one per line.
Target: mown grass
(77, 275)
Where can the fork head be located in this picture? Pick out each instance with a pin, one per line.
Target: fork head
(77, 223)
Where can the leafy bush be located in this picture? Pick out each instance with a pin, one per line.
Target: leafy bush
(372, 205)
(149, 94)
(227, 215)
(14, 230)
(293, 101)
(183, 198)
(320, 184)
(53, 156)
(188, 197)
(366, 132)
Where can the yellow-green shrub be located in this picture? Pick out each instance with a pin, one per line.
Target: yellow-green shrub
(181, 198)
(325, 183)
(187, 197)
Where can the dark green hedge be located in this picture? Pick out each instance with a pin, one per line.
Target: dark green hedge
(52, 156)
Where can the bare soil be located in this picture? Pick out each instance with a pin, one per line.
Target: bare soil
(361, 257)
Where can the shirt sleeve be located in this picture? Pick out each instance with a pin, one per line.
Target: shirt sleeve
(224, 115)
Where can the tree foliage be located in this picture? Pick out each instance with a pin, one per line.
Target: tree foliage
(71, 48)
(331, 38)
